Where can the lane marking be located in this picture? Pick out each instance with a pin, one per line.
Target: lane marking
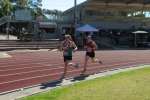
(4, 55)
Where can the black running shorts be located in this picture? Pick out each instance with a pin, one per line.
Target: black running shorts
(67, 58)
(90, 54)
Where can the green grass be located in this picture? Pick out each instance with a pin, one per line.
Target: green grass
(132, 85)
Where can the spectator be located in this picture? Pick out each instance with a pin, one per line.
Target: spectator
(116, 40)
(43, 34)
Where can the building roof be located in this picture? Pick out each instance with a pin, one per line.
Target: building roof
(48, 24)
(143, 2)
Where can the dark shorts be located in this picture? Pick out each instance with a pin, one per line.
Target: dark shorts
(67, 58)
(90, 54)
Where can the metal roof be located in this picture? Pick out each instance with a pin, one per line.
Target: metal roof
(48, 25)
(143, 2)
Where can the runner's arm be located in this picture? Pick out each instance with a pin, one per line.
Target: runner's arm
(61, 45)
(75, 47)
(94, 45)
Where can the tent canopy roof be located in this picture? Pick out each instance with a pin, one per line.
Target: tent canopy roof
(140, 32)
(87, 28)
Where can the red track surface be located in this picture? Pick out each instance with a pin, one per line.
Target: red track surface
(25, 69)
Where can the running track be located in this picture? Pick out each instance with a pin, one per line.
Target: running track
(25, 69)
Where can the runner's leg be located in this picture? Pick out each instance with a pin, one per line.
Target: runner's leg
(72, 64)
(66, 66)
(96, 60)
(85, 63)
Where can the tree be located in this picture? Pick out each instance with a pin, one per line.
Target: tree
(32, 12)
(53, 14)
(33, 5)
(5, 8)
(19, 4)
(36, 5)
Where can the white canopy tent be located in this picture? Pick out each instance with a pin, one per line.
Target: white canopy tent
(86, 28)
(138, 32)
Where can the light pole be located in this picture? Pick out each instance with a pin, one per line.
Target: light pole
(75, 16)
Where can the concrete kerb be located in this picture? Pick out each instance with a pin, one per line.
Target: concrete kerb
(38, 89)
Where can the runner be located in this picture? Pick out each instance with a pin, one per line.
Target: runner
(90, 46)
(63, 38)
(67, 48)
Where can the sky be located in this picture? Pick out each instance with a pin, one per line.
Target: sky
(59, 4)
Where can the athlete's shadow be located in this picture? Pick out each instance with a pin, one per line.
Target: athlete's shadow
(50, 84)
(59, 82)
(80, 78)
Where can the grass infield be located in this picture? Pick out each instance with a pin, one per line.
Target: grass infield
(132, 85)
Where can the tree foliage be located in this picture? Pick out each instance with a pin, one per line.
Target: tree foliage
(36, 6)
(18, 4)
(53, 14)
(5, 8)
(10, 6)
(21, 4)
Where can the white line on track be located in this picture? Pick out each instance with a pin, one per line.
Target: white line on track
(41, 58)
(51, 63)
(75, 70)
(42, 66)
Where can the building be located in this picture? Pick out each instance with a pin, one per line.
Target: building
(111, 14)
(22, 21)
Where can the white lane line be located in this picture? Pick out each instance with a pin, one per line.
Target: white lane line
(59, 63)
(36, 58)
(42, 62)
(40, 76)
(30, 59)
(54, 69)
(71, 71)
(51, 65)
(78, 62)
(4, 55)
(28, 72)
(30, 78)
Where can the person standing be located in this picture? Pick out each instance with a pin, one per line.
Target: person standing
(90, 46)
(43, 34)
(39, 34)
(67, 46)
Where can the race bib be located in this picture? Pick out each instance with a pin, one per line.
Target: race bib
(65, 53)
(89, 49)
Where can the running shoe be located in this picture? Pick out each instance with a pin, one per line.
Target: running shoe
(100, 62)
(76, 65)
(83, 71)
(62, 78)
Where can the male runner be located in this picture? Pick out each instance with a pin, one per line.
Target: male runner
(67, 47)
(90, 46)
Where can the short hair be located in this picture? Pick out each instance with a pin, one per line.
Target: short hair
(67, 36)
(89, 36)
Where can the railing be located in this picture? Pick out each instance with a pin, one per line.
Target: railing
(3, 20)
(40, 19)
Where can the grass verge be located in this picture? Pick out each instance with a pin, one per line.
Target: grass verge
(132, 85)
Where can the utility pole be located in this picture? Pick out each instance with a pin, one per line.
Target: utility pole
(75, 16)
